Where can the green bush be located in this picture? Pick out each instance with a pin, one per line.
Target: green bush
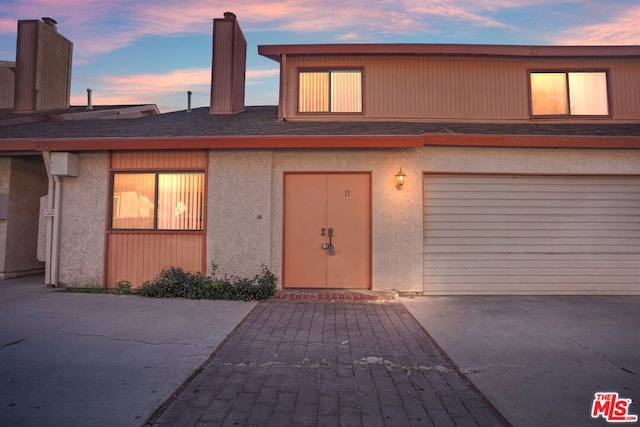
(175, 282)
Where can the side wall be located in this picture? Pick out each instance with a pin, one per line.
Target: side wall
(5, 176)
(245, 203)
(433, 88)
(82, 228)
(28, 184)
(240, 212)
(245, 210)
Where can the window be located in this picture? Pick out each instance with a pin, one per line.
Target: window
(158, 201)
(330, 91)
(574, 93)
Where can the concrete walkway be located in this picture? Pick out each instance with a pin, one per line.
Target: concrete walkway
(99, 360)
(329, 364)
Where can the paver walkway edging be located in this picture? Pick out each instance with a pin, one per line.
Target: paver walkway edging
(314, 364)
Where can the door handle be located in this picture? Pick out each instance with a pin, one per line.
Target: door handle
(323, 231)
(330, 232)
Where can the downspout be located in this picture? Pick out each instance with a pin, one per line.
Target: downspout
(46, 156)
(55, 241)
(52, 215)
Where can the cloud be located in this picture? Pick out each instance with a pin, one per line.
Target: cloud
(98, 26)
(621, 29)
(139, 88)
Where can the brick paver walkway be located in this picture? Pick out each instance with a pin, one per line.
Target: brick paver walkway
(337, 364)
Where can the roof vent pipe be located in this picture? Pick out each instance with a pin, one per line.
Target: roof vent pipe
(89, 103)
(50, 22)
(188, 101)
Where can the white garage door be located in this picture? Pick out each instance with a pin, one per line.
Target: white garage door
(497, 234)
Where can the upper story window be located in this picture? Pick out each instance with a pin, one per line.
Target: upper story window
(569, 93)
(157, 201)
(330, 91)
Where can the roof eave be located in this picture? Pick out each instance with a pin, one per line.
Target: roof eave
(275, 52)
(320, 142)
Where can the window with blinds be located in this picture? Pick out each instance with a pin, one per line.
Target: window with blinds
(573, 93)
(330, 91)
(158, 201)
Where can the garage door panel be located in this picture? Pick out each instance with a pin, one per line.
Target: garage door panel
(433, 227)
(517, 201)
(533, 266)
(505, 209)
(499, 248)
(529, 219)
(523, 232)
(531, 234)
(442, 196)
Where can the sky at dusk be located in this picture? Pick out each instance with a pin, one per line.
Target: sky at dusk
(154, 51)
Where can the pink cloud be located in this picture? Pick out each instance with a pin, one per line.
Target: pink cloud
(138, 88)
(621, 29)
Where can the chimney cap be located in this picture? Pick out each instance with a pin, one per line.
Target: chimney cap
(230, 15)
(50, 22)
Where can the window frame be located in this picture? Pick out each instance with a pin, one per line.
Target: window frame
(329, 70)
(567, 72)
(155, 200)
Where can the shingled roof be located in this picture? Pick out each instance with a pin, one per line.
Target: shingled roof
(262, 121)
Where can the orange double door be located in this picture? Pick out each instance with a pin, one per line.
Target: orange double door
(327, 230)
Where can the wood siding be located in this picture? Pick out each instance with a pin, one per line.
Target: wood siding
(228, 76)
(531, 234)
(7, 85)
(438, 88)
(138, 256)
(43, 68)
(158, 160)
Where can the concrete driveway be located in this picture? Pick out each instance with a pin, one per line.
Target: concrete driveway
(104, 360)
(540, 360)
(100, 360)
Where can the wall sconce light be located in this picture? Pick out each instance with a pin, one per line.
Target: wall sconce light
(400, 179)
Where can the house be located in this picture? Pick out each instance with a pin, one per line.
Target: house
(427, 168)
(36, 88)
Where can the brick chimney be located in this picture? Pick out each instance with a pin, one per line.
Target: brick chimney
(228, 66)
(43, 67)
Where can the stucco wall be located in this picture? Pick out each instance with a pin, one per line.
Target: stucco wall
(245, 202)
(82, 229)
(396, 214)
(239, 211)
(529, 161)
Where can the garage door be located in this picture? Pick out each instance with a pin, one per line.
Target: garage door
(498, 234)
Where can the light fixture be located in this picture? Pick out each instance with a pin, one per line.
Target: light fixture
(400, 179)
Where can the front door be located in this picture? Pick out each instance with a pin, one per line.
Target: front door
(327, 231)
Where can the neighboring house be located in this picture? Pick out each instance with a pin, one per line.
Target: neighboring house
(35, 88)
(520, 169)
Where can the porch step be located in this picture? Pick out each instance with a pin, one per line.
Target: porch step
(334, 295)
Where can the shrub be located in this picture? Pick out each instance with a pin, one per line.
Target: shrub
(175, 282)
(123, 287)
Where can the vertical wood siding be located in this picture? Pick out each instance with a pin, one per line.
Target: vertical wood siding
(159, 160)
(26, 63)
(464, 88)
(43, 68)
(7, 87)
(531, 234)
(138, 256)
(53, 79)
